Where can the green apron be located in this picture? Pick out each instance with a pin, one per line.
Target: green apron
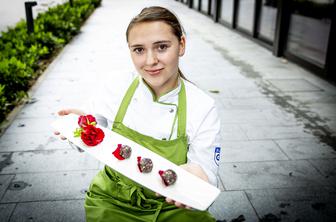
(114, 197)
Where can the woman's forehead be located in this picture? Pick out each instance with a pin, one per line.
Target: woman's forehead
(150, 32)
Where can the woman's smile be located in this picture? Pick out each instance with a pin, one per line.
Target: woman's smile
(154, 72)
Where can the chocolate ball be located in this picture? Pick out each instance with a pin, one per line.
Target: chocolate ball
(125, 151)
(145, 165)
(169, 177)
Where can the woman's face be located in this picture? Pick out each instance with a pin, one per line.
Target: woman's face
(155, 52)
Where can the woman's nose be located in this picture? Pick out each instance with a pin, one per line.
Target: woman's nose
(151, 58)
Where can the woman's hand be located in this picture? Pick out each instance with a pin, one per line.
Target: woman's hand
(197, 171)
(64, 112)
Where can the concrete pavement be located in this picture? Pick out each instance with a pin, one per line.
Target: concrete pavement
(278, 134)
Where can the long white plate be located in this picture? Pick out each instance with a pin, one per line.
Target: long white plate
(188, 189)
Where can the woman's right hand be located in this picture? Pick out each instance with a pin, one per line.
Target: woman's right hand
(64, 112)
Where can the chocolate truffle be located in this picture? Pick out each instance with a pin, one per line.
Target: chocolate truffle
(122, 152)
(125, 151)
(145, 165)
(169, 177)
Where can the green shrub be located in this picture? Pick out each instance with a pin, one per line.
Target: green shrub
(22, 54)
(3, 102)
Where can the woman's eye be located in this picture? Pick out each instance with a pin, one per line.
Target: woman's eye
(162, 47)
(138, 50)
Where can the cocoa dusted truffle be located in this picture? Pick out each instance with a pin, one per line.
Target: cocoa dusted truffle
(125, 151)
(169, 177)
(145, 165)
(122, 152)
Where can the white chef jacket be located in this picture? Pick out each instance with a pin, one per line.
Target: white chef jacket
(158, 118)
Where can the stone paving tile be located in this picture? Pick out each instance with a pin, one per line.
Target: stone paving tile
(312, 97)
(232, 132)
(251, 103)
(11, 142)
(5, 180)
(51, 211)
(6, 211)
(47, 107)
(308, 204)
(230, 205)
(276, 72)
(271, 174)
(244, 151)
(49, 186)
(306, 148)
(63, 92)
(220, 184)
(294, 85)
(241, 116)
(256, 116)
(31, 125)
(279, 117)
(327, 110)
(259, 132)
(332, 125)
(248, 93)
(219, 82)
(49, 161)
(328, 168)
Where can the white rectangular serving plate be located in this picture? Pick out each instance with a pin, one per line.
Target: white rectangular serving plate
(188, 189)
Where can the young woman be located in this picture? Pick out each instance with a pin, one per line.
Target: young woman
(161, 110)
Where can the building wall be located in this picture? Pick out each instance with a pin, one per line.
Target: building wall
(301, 30)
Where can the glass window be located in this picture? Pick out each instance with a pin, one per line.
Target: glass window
(268, 16)
(212, 10)
(195, 4)
(204, 6)
(309, 30)
(226, 11)
(246, 15)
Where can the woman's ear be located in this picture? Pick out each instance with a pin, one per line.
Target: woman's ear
(182, 45)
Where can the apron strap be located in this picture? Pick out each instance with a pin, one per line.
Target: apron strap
(181, 110)
(126, 101)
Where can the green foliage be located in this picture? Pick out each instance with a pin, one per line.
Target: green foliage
(21, 53)
(3, 102)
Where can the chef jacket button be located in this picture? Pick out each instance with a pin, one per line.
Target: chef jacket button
(171, 110)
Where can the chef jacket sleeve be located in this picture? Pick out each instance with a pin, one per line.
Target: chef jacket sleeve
(204, 147)
(105, 100)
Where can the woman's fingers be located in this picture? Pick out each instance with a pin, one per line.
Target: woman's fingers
(64, 112)
(58, 133)
(170, 201)
(178, 204)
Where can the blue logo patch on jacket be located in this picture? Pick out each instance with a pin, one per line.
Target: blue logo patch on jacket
(217, 155)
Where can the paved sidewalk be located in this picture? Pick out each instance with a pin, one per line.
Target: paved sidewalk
(279, 124)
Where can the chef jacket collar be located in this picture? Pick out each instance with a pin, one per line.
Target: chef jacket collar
(169, 97)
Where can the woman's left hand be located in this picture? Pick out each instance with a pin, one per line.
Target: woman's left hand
(197, 171)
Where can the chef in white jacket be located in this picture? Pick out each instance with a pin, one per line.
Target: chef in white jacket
(161, 110)
(157, 117)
